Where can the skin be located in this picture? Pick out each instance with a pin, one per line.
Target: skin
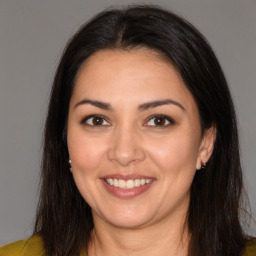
(129, 140)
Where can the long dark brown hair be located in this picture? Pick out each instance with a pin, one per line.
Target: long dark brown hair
(64, 219)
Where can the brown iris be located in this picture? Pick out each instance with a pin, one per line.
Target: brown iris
(97, 120)
(159, 121)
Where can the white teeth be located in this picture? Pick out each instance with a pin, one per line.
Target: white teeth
(116, 183)
(110, 181)
(129, 184)
(137, 183)
(121, 184)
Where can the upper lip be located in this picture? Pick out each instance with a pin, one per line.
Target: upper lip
(126, 176)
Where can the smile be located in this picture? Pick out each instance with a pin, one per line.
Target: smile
(128, 184)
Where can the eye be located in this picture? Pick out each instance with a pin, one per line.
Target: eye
(160, 121)
(95, 120)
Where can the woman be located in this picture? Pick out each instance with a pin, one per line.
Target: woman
(141, 152)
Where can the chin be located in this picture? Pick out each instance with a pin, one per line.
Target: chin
(128, 218)
(129, 223)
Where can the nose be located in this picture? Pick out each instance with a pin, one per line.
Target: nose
(126, 147)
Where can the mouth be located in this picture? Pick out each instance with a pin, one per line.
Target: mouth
(127, 186)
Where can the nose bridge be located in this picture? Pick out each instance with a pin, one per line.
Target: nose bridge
(126, 145)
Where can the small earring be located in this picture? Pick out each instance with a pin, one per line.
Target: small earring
(203, 165)
(69, 161)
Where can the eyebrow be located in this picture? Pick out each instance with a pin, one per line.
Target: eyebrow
(142, 107)
(158, 103)
(98, 104)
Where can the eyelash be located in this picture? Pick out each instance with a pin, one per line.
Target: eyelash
(166, 118)
(102, 118)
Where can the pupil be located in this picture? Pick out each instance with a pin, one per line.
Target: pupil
(97, 121)
(159, 121)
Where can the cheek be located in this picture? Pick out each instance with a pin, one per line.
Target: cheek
(86, 153)
(174, 153)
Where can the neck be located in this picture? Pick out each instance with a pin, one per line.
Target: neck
(162, 238)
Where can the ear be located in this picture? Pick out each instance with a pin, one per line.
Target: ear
(206, 146)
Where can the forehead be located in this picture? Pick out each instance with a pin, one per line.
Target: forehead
(142, 74)
(132, 61)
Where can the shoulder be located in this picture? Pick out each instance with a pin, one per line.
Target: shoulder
(33, 246)
(250, 248)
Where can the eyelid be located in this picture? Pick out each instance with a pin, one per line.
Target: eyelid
(168, 118)
(85, 119)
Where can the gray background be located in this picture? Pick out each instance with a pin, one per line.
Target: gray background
(32, 36)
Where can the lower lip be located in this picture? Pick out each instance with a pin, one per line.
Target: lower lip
(127, 193)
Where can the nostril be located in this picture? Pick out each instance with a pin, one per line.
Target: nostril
(126, 157)
(125, 147)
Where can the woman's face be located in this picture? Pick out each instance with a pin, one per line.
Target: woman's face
(134, 138)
